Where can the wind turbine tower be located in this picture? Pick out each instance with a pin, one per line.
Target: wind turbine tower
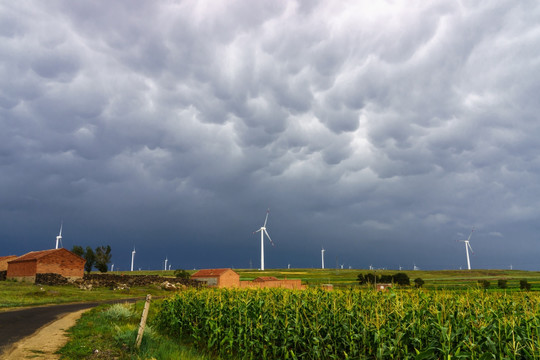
(59, 237)
(263, 231)
(166, 263)
(322, 258)
(132, 258)
(467, 247)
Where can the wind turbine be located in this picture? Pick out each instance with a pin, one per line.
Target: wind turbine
(263, 231)
(467, 247)
(132, 258)
(59, 237)
(322, 258)
(166, 259)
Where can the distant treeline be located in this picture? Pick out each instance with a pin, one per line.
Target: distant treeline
(370, 278)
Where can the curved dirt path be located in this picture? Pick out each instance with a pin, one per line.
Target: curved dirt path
(45, 342)
(21, 328)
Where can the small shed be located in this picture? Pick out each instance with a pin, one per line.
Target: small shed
(383, 287)
(218, 277)
(55, 261)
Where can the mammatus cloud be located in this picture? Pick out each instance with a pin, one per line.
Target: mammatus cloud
(363, 126)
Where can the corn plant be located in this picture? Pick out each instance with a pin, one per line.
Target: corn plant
(355, 324)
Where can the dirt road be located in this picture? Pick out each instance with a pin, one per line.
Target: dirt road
(19, 324)
(45, 342)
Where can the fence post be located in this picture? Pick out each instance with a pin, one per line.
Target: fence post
(143, 321)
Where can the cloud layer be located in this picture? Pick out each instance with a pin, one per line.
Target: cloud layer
(382, 132)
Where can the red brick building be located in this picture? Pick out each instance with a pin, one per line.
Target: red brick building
(229, 278)
(4, 261)
(56, 261)
(218, 277)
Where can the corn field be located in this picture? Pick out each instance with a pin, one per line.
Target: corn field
(355, 324)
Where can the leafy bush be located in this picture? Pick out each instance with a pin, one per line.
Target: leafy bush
(484, 284)
(524, 285)
(118, 312)
(182, 274)
(502, 284)
(418, 282)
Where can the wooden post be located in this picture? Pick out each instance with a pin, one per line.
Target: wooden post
(143, 321)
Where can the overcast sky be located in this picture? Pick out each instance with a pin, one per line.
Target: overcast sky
(382, 131)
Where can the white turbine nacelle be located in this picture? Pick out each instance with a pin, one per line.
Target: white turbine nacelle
(467, 247)
(263, 231)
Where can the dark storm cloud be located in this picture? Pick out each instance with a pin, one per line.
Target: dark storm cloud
(363, 126)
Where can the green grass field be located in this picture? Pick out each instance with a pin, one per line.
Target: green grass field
(99, 329)
(452, 279)
(13, 294)
(20, 294)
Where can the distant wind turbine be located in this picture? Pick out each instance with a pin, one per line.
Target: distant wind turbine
(166, 259)
(59, 237)
(263, 231)
(467, 247)
(132, 258)
(322, 258)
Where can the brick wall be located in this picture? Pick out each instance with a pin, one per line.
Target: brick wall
(22, 271)
(64, 264)
(229, 279)
(4, 261)
(286, 284)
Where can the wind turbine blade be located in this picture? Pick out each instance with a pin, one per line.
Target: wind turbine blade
(470, 234)
(256, 231)
(469, 245)
(61, 225)
(266, 219)
(269, 238)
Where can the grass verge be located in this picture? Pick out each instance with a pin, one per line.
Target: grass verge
(110, 332)
(20, 294)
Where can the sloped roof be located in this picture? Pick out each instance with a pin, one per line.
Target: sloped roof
(210, 273)
(266, 278)
(4, 260)
(36, 255)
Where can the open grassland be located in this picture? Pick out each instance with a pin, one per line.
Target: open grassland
(20, 294)
(356, 323)
(436, 279)
(14, 294)
(451, 279)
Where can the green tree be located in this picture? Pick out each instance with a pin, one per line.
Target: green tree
(371, 278)
(524, 285)
(90, 258)
(181, 274)
(102, 258)
(484, 284)
(502, 284)
(401, 279)
(78, 250)
(418, 282)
